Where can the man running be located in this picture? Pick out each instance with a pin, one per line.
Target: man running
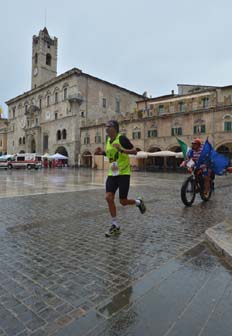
(118, 148)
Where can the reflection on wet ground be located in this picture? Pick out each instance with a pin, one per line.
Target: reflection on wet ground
(23, 182)
(20, 182)
(56, 265)
(189, 295)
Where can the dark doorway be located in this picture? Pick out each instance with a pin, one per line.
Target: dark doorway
(33, 146)
(62, 150)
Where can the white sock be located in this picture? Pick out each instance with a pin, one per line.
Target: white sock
(114, 222)
(137, 202)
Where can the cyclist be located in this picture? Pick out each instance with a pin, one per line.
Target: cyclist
(194, 154)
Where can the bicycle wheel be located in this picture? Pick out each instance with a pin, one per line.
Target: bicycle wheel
(188, 191)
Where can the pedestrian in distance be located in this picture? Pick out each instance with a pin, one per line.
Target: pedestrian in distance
(118, 148)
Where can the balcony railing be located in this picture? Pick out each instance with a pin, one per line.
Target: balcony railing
(76, 98)
(32, 109)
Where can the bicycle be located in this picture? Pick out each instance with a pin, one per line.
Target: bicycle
(195, 184)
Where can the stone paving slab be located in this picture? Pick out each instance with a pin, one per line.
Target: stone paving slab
(220, 237)
(184, 297)
(56, 265)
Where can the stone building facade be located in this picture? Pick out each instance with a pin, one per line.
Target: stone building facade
(47, 118)
(3, 135)
(196, 111)
(67, 113)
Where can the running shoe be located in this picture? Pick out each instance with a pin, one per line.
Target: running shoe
(113, 231)
(141, 205)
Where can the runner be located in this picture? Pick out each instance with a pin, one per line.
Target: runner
(118, 148)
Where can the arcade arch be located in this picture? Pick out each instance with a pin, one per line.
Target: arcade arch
(173, 162)
(225, 148)
(62, 150)
(154, 163)
(175, 149)
(86, 159)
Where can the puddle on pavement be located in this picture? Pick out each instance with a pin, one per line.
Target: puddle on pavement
(118, 302)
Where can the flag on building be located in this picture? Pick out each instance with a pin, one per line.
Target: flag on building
(215, 161)
(183, 146)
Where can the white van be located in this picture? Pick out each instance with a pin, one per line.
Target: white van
(26, 160)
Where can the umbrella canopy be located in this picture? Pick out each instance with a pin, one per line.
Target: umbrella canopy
(162, 153)
(45, 156)
(144, 155)
(141, 155)
(179, 155)
(58, 156)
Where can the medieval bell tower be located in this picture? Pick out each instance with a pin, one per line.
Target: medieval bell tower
(44, 58)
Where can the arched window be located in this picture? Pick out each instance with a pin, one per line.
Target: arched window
(20, 141)
(65, 93)
(48, 59)
(58, 135)
(136, 133)
(199, 126)
(24, 141)
(56, 97)
(227, 123)
(36, 58)
(64, 134)
(97, 138)
(86, 139)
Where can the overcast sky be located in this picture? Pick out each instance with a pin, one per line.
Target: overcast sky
(146, 45)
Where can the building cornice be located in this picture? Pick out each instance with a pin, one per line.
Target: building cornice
(176, 97)
(65, 75)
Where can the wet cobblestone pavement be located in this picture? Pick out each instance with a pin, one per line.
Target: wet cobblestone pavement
(55, 263)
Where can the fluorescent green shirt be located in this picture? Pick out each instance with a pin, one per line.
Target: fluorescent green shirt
(122, 160)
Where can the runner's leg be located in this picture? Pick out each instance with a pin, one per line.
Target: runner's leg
(124, 186)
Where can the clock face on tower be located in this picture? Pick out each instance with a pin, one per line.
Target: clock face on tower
(48, 115)
(35, 72)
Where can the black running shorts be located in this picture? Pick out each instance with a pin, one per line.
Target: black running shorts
(121, 182)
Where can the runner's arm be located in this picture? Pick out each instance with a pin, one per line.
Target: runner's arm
(128, 147)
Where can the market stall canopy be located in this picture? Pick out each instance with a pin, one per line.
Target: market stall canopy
(141, 155)
(58, 156)
(162, 153)
(145, 155)
(179, 155)
(46, 156)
